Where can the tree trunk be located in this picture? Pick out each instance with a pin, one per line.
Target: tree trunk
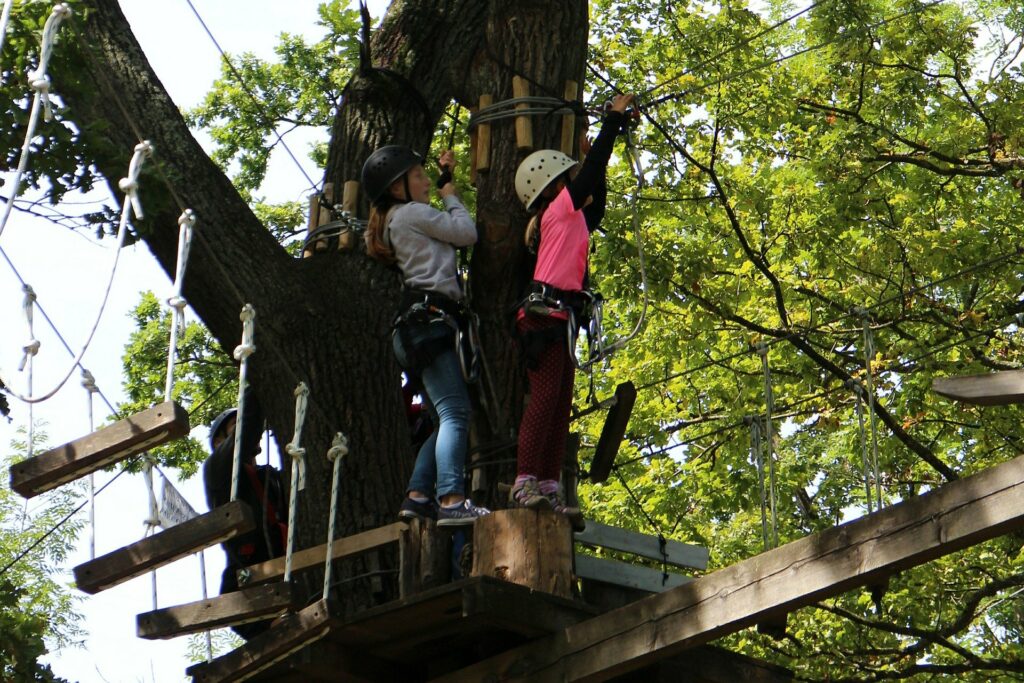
(326, 320)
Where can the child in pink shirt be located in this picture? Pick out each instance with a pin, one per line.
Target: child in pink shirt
(567, 211)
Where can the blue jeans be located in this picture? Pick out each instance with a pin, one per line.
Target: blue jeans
(439, 467)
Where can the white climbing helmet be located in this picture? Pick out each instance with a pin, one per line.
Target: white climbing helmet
(538, 171)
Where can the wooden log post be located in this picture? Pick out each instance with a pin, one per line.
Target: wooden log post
(568, 145)
(531, 548)
(424, 557)
(483, 139)
(318, 216)
(349, 203)
(524, 128)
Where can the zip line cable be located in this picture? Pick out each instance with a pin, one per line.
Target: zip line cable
(248, 91)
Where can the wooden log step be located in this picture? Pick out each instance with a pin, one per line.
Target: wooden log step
(230, 609)
(676, 553)
(165, 547)
(994, 389)
(613, 432)
(627, 575)
(123, 439)
(347, 546)
(289, 634)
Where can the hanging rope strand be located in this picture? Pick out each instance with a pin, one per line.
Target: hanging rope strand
(131, 203)
(337, 451)
(31, 348)
(297, 454)
(5, 19)
(858, 391)
(756, 453)
(769, 436)
(40, 83)
(177, 303)
(242, 353)
(869, 357)
(89, 384)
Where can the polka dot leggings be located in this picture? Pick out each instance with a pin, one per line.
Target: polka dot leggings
(545, 425)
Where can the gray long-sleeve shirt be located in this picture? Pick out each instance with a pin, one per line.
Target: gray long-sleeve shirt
(425, 239)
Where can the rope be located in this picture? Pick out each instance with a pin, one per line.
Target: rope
(769, 406)
(335, 454)
(131, 203)
(757, 453)
(858, 391)
(31, 348)
(298, 471)
(506, 109)
(89, 384)
(177, 303)
(40, 82)
(5, 18)
(869, 357)
(242, 353)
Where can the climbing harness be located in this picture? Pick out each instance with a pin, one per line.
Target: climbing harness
(337, 451)
(298, 482)
(40, 82)
(241, 354)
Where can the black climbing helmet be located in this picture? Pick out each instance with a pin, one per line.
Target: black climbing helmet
(218, 422)
(385, 166)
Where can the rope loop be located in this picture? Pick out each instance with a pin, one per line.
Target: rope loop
(301, 401)
(339, 447)
(247, 347)
(31, 347)
(89, 382)
(130, 185)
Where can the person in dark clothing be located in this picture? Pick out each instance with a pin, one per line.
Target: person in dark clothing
(259, 486)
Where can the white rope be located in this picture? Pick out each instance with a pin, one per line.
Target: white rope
(869, 357)
(153, 521)
(337, 451)
(858, 391)
(5, 19)
(242, 353)
(297, 454)
(40, 82)
(131, 201)
(31, 348)
(177, 303)
(89, 384)
(769, 446)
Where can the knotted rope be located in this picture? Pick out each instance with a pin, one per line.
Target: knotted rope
(177, 303)
(89, 384)
(241, 354)
(297, 454)
(337, 451)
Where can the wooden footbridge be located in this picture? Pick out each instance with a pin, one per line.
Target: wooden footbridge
(532, 605)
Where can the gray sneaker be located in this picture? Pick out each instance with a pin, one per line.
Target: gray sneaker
(528, 495)
(463, 514)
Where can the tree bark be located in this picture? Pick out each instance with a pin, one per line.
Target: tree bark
(326, 320)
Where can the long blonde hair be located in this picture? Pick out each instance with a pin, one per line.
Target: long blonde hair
(376, 246)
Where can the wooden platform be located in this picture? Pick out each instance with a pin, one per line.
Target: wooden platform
(992, 389)
(430, 633)
(113, 443)
(165, 547)
(230, 609)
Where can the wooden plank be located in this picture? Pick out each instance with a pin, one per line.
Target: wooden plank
(524, 127)
(531, 548)
(627, 575)
(613, 432)
(483, 138)
(568, 145)
(994, 389)
(239, 607)
(348, 546)
(955, 516)
(160, 549)
(290, 634)
(676, 553)
(350, 203)
(111, 444)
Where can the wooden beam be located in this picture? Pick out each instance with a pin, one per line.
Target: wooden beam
(348, 546)
(239, 607)
(613, 432)
(524, 127)
(111, 444)
(994, 389)
(290, 634)
(568, 145)
(950, 518)
(169, 545)
(627, 575)
(676, 553)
